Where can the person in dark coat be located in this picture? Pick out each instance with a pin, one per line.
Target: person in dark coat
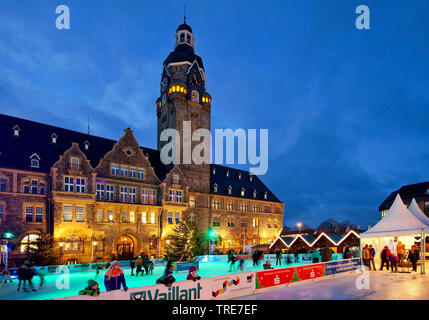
(255, 257)
(232, 262)
(167, 278)
(132, 266)
(278, 257)
(22, 277)
(146, 264)
(30, 271)
(114, 278)
(385, 258)
(413, 257)
(139, 264)
(346, 252)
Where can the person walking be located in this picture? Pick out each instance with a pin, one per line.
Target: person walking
(139, 265)
(278, 257)
(385, 258)
(371, 257)
(132, 266)
(413, 257)
(114, 278)
(366, 256)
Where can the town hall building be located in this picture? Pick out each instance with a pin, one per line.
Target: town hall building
(102, 199)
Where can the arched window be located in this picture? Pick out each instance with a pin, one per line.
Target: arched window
(16, 131)
(195, 96)
(229, 190)
(215, 187)
(28, 243)
(182, 37)
(242, 192)
(54, 138)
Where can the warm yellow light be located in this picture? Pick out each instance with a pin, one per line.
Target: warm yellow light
(181, 89)
(94, 243)
(61, 244)
(177, 88)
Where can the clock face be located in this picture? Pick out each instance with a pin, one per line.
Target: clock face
(195, 80)
(164, 83)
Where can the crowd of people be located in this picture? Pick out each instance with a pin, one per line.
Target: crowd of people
(389, 259)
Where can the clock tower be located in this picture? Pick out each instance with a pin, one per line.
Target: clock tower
(183, 97)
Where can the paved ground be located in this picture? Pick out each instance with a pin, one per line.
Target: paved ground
(383, 285)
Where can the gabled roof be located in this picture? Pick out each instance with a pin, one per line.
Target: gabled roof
(407, 193)
(417, 212)
(222, 181)
(398, 221)
(36, 138)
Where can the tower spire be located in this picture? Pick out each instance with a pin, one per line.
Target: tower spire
(184, 14)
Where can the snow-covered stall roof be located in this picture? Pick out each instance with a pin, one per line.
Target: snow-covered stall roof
(398, 221)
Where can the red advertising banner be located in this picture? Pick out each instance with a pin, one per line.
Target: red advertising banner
(311, 271)
(275, 277)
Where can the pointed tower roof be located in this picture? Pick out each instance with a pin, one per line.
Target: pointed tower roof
(417, 212)
(397, 221)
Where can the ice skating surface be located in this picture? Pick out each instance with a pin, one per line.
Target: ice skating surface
(78, 280)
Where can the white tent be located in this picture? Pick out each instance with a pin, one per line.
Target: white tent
(417, 212)
(399, 221)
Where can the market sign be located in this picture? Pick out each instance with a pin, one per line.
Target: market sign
(334, 267)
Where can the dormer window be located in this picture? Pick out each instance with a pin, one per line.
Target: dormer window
(215, 187)
(214, 170)
(54, 138)
(265, 195)
(239, 176)
(175, 179)
(254, 193)
(147, 156)
(229, 190)
(34, 161)
(16, 131)
(86, 145)
(250, 178)
(227, 173)
(242, 192)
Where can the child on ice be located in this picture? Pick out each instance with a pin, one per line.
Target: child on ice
(91, 290)
(193, 274)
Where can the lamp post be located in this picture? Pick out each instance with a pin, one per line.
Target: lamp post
(212, 236)
(4, 246)
(299, 225)
(94, 244)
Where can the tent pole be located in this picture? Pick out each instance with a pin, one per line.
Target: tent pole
(422, 252)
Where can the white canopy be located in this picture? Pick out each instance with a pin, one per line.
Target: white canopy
(398, 221)
(417, 212)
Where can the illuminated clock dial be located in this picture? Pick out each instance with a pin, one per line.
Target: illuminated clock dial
(195, 80)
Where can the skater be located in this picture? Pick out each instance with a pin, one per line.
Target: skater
(371, 257)
(91, 290)
(132, 266)
(139, 265)
(278, 257)
(97, 270)
(146, 264)
(29, 274)
(413, 257)
(385, 258)
(4, 272)
(267, 265)
(22, 277)
(230, 254)
(241, 264)
(255, 256)
(114, 278)
(167, 278)
(151, 266)
(346, 252)
(232, 263)
(193, 274)
(41, 273)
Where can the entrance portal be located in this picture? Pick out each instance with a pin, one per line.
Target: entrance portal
(125, 248)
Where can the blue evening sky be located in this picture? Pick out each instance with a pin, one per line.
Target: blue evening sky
(347, 110)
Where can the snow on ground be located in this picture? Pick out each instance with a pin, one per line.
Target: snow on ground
(78, 281)
(383, 285)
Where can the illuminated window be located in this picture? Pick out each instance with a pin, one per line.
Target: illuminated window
(152, 196)
(145, 196)
(230, 222)
(255, 222)
(242, 192)
(132, 217)
(29, 213)
(153, 218)
(144, 217)
(176, 179)
(215, 187)
(68, 213)
(216, 221)
(195, 96)
(110, 215)
(29, 243)
(170, 218)
(80, 213)
(99, 215)
(192, 201)
(229, 190)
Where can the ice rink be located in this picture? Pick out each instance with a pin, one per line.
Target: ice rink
(78, 280)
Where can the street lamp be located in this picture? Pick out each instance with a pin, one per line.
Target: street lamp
(212, 236)
(299, 224)
(4, 247)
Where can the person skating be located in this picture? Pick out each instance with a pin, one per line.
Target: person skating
(385, 258)
(97, 270)
(41, 273)
(229, 254)
(232, 262)
(193, 274)
(167, 278)
(114, 278)
(371, 257)
(91, 289)
(151, 266)
(146, 264)
(5, 273)
(22, 277)
(132, 266)
(278, 257)
(139, 265)
(30, 272)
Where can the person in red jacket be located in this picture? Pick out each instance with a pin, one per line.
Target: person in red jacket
(193, 274)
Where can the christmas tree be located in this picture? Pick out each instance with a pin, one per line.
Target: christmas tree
(258, 286)
(186, 242)
(295, 276)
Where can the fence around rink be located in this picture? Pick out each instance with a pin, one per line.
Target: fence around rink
(230, 285)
